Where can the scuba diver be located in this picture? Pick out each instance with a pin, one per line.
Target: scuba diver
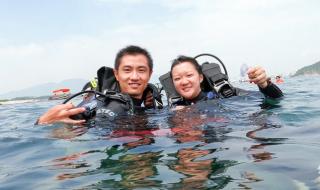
(122, 90)
(188, 83)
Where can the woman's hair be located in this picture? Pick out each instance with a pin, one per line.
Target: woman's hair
(181, 59)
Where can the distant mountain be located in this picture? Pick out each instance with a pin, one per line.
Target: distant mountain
(75, 85)
(313, 69)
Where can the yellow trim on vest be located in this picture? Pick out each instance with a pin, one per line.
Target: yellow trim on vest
(94, 83)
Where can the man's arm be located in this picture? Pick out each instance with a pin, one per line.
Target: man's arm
(61, 113)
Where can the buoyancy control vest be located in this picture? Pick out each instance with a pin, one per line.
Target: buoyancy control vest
(107, 82)
(108, 105)
(213, 80)
(104, 99)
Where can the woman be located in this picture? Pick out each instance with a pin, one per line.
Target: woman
(187, 77)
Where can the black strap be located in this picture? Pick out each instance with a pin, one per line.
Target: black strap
(107, 80)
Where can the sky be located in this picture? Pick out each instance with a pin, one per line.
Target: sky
(49, 41)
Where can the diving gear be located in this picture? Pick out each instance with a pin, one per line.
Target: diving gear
(91, 85)
(107, 99)
(108, 105)
(215, 57)
(271, 91)
(107, 82)
(214, 80)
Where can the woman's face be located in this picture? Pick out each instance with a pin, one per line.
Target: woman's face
(186, 80)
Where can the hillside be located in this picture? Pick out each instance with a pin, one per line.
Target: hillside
(313, 69)
(45, 89)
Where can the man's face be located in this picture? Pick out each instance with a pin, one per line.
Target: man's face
(133, 74)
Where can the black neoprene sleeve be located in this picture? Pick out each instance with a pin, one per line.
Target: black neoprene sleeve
(271, 91)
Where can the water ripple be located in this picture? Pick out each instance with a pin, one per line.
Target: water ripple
(239, 143)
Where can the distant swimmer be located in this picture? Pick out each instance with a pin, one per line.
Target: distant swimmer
(279, 80)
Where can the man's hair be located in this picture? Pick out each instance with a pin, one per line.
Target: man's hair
(182, 58)
(133, 50)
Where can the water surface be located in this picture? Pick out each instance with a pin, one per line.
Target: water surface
(238, 143)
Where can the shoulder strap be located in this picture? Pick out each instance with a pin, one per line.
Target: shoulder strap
(126, 102)
(168, 86)
(156, 94)
(107, 80)
(91, 85)
(215, 80)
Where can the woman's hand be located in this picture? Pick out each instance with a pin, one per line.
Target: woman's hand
(258, 76)
(61, 113)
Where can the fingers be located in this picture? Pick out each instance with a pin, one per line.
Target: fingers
(259, 78)
(62, 113)
(257, 75)
(149, 94)
(67, 110)
(148, 102)
(253, 71)
(68, 105)
(53, 114)
(75, 111)
(149, 97)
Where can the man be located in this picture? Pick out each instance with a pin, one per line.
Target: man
(132, 71)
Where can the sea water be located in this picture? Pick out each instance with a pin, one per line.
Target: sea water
(237, 143)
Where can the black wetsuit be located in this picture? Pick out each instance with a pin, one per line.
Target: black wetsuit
(138, 105)
(271, 91)
(106, 81)
(201, 97)
(111, 107)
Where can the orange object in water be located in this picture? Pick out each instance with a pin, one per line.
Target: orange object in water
(62, 93)
(279, 80)
(63, 90)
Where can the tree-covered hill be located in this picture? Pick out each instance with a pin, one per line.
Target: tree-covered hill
(313, 69)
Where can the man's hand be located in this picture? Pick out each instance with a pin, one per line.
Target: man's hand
(61, 113)
(258, 76)
(148, 102)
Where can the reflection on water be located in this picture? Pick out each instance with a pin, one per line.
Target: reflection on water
(239, 143)
(135, 160)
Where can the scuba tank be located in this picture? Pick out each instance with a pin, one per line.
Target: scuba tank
(214, 80)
